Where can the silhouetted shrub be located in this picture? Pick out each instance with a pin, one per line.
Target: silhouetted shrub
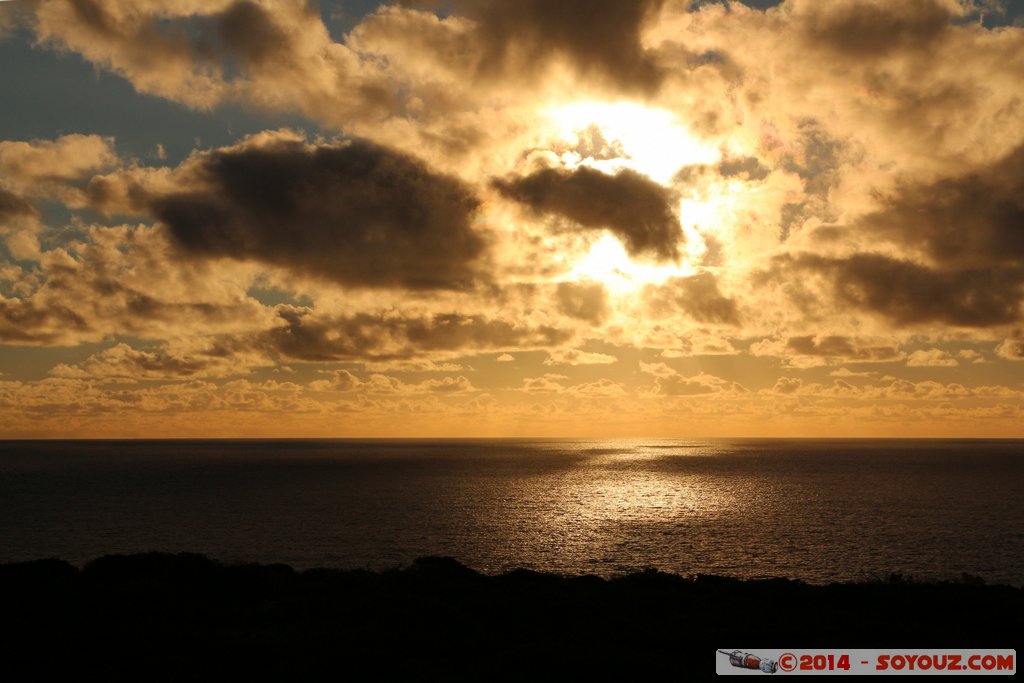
(154, 616)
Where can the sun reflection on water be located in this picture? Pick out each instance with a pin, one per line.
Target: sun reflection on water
(621, 499)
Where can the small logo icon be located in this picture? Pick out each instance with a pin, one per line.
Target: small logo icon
(744, 660)
(787, 661)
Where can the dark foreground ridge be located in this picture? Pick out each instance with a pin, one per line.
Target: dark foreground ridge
(158, 616)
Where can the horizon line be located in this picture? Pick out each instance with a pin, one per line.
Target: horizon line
(511, 438)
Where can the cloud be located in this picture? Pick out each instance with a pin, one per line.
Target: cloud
(44, 169)
(787, 385)
(24, 322)
(344, 381)
(600, 38)
(586, 301)
(840, 347)
(700, 345)
(48, 168)
(133, 42)
(122, 362)
(276, 55)
(891, 389)
(303, 335)
(931, 358)
(743, 167)
(13, 206)
(19, 226)
(868, 154)
(356, 214)
(447, 385)
(1011, 349)
(669, 382)
(578, 357)
(846, 372)
(873, 29)
(124, 281)
(811, 351)
(634, 208)
(972, 356)
(418, 365)
(698, 296)
(680, 385)
(554, 384)
(12, 16)
(340, 380)
(909, 293)
(603, 387)
(548, 383)
(971, 220)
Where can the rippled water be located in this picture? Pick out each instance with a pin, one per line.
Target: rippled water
(816, 510)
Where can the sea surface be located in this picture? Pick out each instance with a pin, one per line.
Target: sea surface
(817, 510)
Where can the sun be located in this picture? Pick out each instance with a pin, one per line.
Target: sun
(656, 143)
(608, 263)
(652, 141)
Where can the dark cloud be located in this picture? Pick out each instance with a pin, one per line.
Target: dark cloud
(26, 322)
(11, 205)
(252, 36)
(145, 41)
(971, 229)
(692, 175)
(44, 319)
(117, 192)
(455, 331)
(818, 160)
(638, 210)
(365, 336)
(244, 31)
(972, 220)
(600, 37)
(123, 362)
(698, 296)
(745, 168)
(910, 293)
(817, 163)
(356, 214)
(95, 292)
(584, 301)
(835, 346)
(249, 33)
(277, 56)
(869, 30)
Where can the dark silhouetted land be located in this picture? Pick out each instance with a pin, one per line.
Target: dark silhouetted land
(160, 617)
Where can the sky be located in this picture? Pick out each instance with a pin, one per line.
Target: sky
(566, 218)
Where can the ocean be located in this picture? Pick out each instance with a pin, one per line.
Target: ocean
(816, 510)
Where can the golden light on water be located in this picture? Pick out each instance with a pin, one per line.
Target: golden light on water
(631, 481)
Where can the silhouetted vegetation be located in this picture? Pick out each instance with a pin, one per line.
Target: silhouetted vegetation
(160, 617)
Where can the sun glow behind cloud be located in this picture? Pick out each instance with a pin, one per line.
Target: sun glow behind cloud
(654, 141)
(607, 262)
